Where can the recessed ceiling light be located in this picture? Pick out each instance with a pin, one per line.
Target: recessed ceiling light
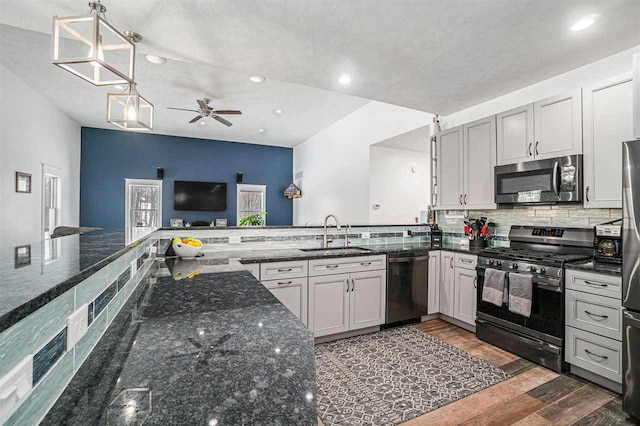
(261, 130)
(203, 123)
(344, 79)
(278, 111)
(257, 78)
(158, 60)
(585, 22)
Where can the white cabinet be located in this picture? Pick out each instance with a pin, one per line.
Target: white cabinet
(254, 268)
(558, 125)
(447, 279)
(367, 299)
(449, 148)
(548, 128)
(434, 283)
(515, 137)
(479, 155)
(464, 308)
(329, 304)
(292, 293)
(607, 122)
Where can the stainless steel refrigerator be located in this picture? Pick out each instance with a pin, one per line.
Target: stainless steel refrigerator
(631, 277)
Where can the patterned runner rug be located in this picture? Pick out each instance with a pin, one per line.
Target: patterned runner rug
(394, 375)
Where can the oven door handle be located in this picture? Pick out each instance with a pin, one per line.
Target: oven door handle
(554, 178)
(537, 284)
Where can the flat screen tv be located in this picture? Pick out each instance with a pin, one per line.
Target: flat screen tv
(201, 196)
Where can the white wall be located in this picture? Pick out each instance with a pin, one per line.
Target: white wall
(400, 192)
(34, 131)
(591, 73)
(335, 162)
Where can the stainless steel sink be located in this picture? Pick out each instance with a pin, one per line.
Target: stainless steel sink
(337, 250)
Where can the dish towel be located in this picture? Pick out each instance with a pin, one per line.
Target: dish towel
(520, 294)
(494, 288)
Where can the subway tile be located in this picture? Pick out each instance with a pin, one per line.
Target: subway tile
(103, 300)
(552, 213)
(34, 331)
(91, 287)
(590, 213)
(46, 357)
(116, 303)
(117, 266)
(87, 342)
(124, 278)
(90, 315)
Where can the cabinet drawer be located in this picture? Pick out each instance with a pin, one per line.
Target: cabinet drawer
(467, 261)
(604, 285)
(594, 313)
(280, 270)
(292, 293)
(594, 353)
(346, 264)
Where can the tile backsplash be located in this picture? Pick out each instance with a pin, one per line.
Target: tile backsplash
(561, 215)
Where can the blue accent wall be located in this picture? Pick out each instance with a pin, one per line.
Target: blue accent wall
(110, 156)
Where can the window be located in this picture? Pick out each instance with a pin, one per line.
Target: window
(143, 207)
(252, 199)
(51, 204)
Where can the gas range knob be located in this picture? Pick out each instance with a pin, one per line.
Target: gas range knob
(499, 262)
(542, 270)
(490, 261)
(514, 266)
(532, 269)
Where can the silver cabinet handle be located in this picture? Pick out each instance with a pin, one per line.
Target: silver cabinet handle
(451, 263)
(602, 357)
(465, 199)
(596, 284)
(596, 315)
(347, 282)
(284, 270)
(460, 199)
(353, 284)
(475, 282)
(285, 282)
(466, 260)
(537, 142)
(587, 194)
(530, 145)
(365, 263)
(554, 177)
(331, 266)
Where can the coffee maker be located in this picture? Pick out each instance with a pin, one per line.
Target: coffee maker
(608, 242)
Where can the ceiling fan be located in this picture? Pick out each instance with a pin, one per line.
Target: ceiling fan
(204, 110)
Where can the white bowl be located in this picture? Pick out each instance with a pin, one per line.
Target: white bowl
(186, 251)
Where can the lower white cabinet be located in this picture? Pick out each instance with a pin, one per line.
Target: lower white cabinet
(597, 354)
(464, 307)
(344, 302)
(292, 293)
(447, 280)
(434, 283)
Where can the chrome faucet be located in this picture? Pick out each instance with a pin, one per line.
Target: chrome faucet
(347, 228)
(325, 243)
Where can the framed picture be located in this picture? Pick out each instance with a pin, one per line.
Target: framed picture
(177, 223)
(22, 256)
(23, 182)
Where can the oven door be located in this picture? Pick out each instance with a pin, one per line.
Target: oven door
(540, 182)
(547, 312)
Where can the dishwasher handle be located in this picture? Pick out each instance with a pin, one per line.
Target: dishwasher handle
(408, 259)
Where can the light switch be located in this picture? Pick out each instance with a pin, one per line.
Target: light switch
(77, 325)
(366, 235)
(234, 239)
(15, 388)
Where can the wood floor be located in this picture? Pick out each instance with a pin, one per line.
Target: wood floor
(534, 396)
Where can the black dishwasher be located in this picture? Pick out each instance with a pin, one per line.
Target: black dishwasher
(407, 287)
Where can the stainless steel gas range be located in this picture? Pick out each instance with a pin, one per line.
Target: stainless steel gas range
(542, 253)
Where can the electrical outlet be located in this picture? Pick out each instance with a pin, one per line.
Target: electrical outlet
(15, 388)
(234, 239)
(77, 325)
(366, 235)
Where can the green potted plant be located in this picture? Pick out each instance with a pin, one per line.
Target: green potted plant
(256, 219)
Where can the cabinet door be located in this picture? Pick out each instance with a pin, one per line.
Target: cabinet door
(449, 180)
(479, 162)
(558, 126)
(446, 282)
(515, 135)
(367, 299)
(329, 304)
(291, 293)
(434, 283)
(465, 295)
(607, 113)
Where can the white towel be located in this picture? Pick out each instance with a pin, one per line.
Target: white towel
(520, 294)
(493, 290)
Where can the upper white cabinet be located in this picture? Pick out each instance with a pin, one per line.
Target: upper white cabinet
(515, 135)
(607, 122)
(479, 153)
(558, 126)
(434, 283)
(548, 128)
(449, 148)
(467, 156)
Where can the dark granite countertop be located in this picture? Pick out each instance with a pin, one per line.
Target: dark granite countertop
(51, 268)
(202, 228)
(217, 349)
(596, 267)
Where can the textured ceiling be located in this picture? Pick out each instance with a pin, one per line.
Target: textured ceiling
(433, 55)
(306, 110)
(415, 140)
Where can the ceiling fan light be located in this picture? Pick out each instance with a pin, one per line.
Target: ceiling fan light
(257, 78)
(92, 49)
(130, 111)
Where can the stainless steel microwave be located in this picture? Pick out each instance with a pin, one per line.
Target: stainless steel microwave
(555, 180)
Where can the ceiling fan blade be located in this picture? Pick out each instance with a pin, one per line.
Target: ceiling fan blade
(222, 120)
(183, 109)
(196, 118)
(202, 104)
(227, 111)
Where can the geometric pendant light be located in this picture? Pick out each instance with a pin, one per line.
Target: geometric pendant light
(89, 47)
(129, 110)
